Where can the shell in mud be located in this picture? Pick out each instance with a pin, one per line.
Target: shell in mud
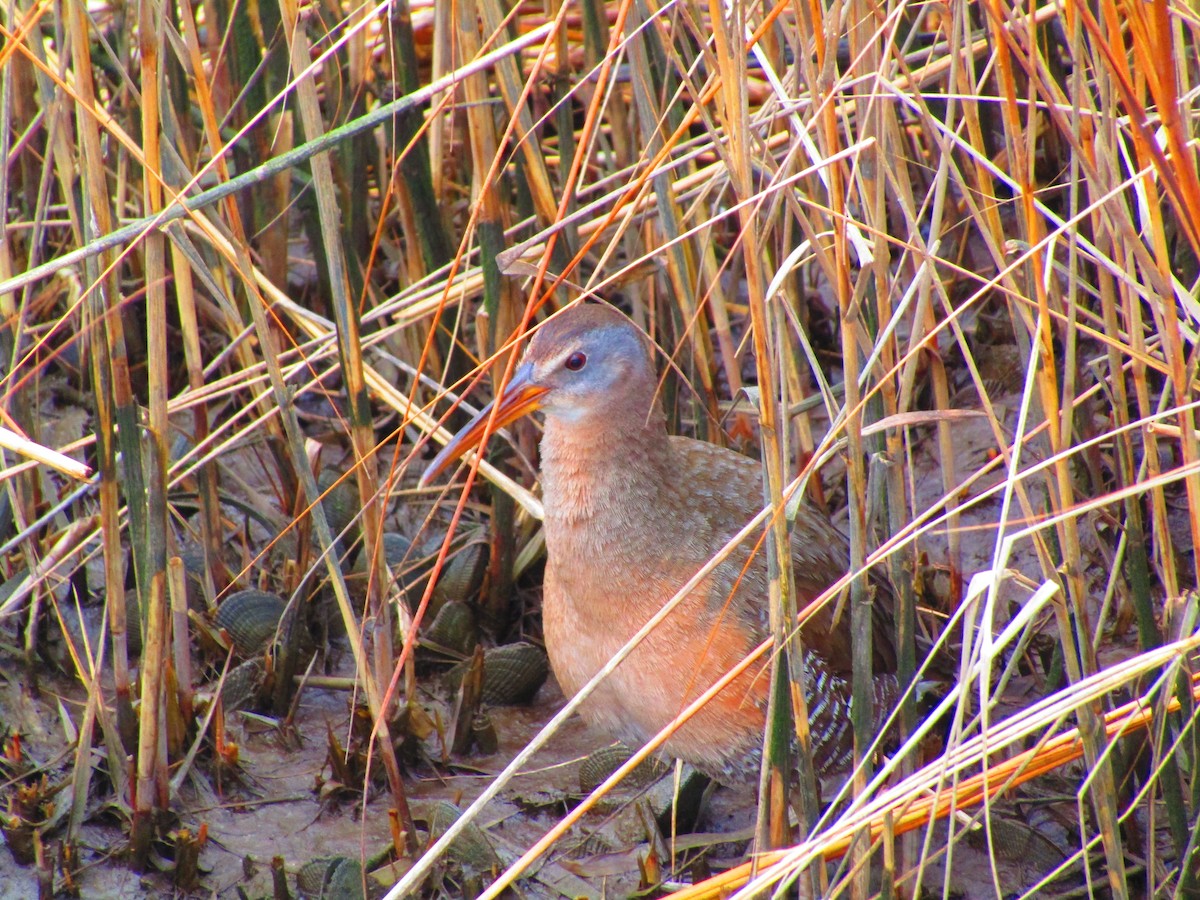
(452, 630)
(83, 631)
(600, 764)
(194, 565)
(513, 673)
(242, 685)
(341, 504)
(331, 878)
(463, 573)
(251, 618)
(471, 849)
(133, 623)
(408, 567)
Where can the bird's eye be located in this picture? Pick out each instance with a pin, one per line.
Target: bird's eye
(576, 361)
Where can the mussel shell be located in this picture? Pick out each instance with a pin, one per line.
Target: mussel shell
(331, 878)
(340, 502)
(92, 623)
(315, 874)
(242, 685)
(1017, 840)
(409, 566)
(600, 764)
(252, 618)
(513, 673)
(452, 630)
(133, 623)
(397, 551)
(194, 565)
(471, 849)
(463, 573)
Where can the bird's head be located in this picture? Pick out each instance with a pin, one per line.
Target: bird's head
(586, 365)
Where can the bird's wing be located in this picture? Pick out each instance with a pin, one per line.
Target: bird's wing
(724, 480)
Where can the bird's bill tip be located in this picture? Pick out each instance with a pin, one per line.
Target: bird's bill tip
(520, 398)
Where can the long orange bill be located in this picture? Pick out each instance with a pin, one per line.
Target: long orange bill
(520, 397)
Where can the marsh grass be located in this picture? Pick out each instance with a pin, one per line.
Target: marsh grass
(937, 264)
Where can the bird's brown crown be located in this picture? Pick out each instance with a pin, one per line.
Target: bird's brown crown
(579, 322)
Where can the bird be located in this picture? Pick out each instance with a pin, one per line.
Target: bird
(631, 515)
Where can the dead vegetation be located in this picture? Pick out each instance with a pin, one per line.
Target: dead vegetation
(937, 264)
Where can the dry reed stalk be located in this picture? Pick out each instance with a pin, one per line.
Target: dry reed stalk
(375, 667)
(919, 808)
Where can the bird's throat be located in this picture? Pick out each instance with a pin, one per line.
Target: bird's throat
(592, 472)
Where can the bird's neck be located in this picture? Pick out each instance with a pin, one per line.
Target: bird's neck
(599, 470)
